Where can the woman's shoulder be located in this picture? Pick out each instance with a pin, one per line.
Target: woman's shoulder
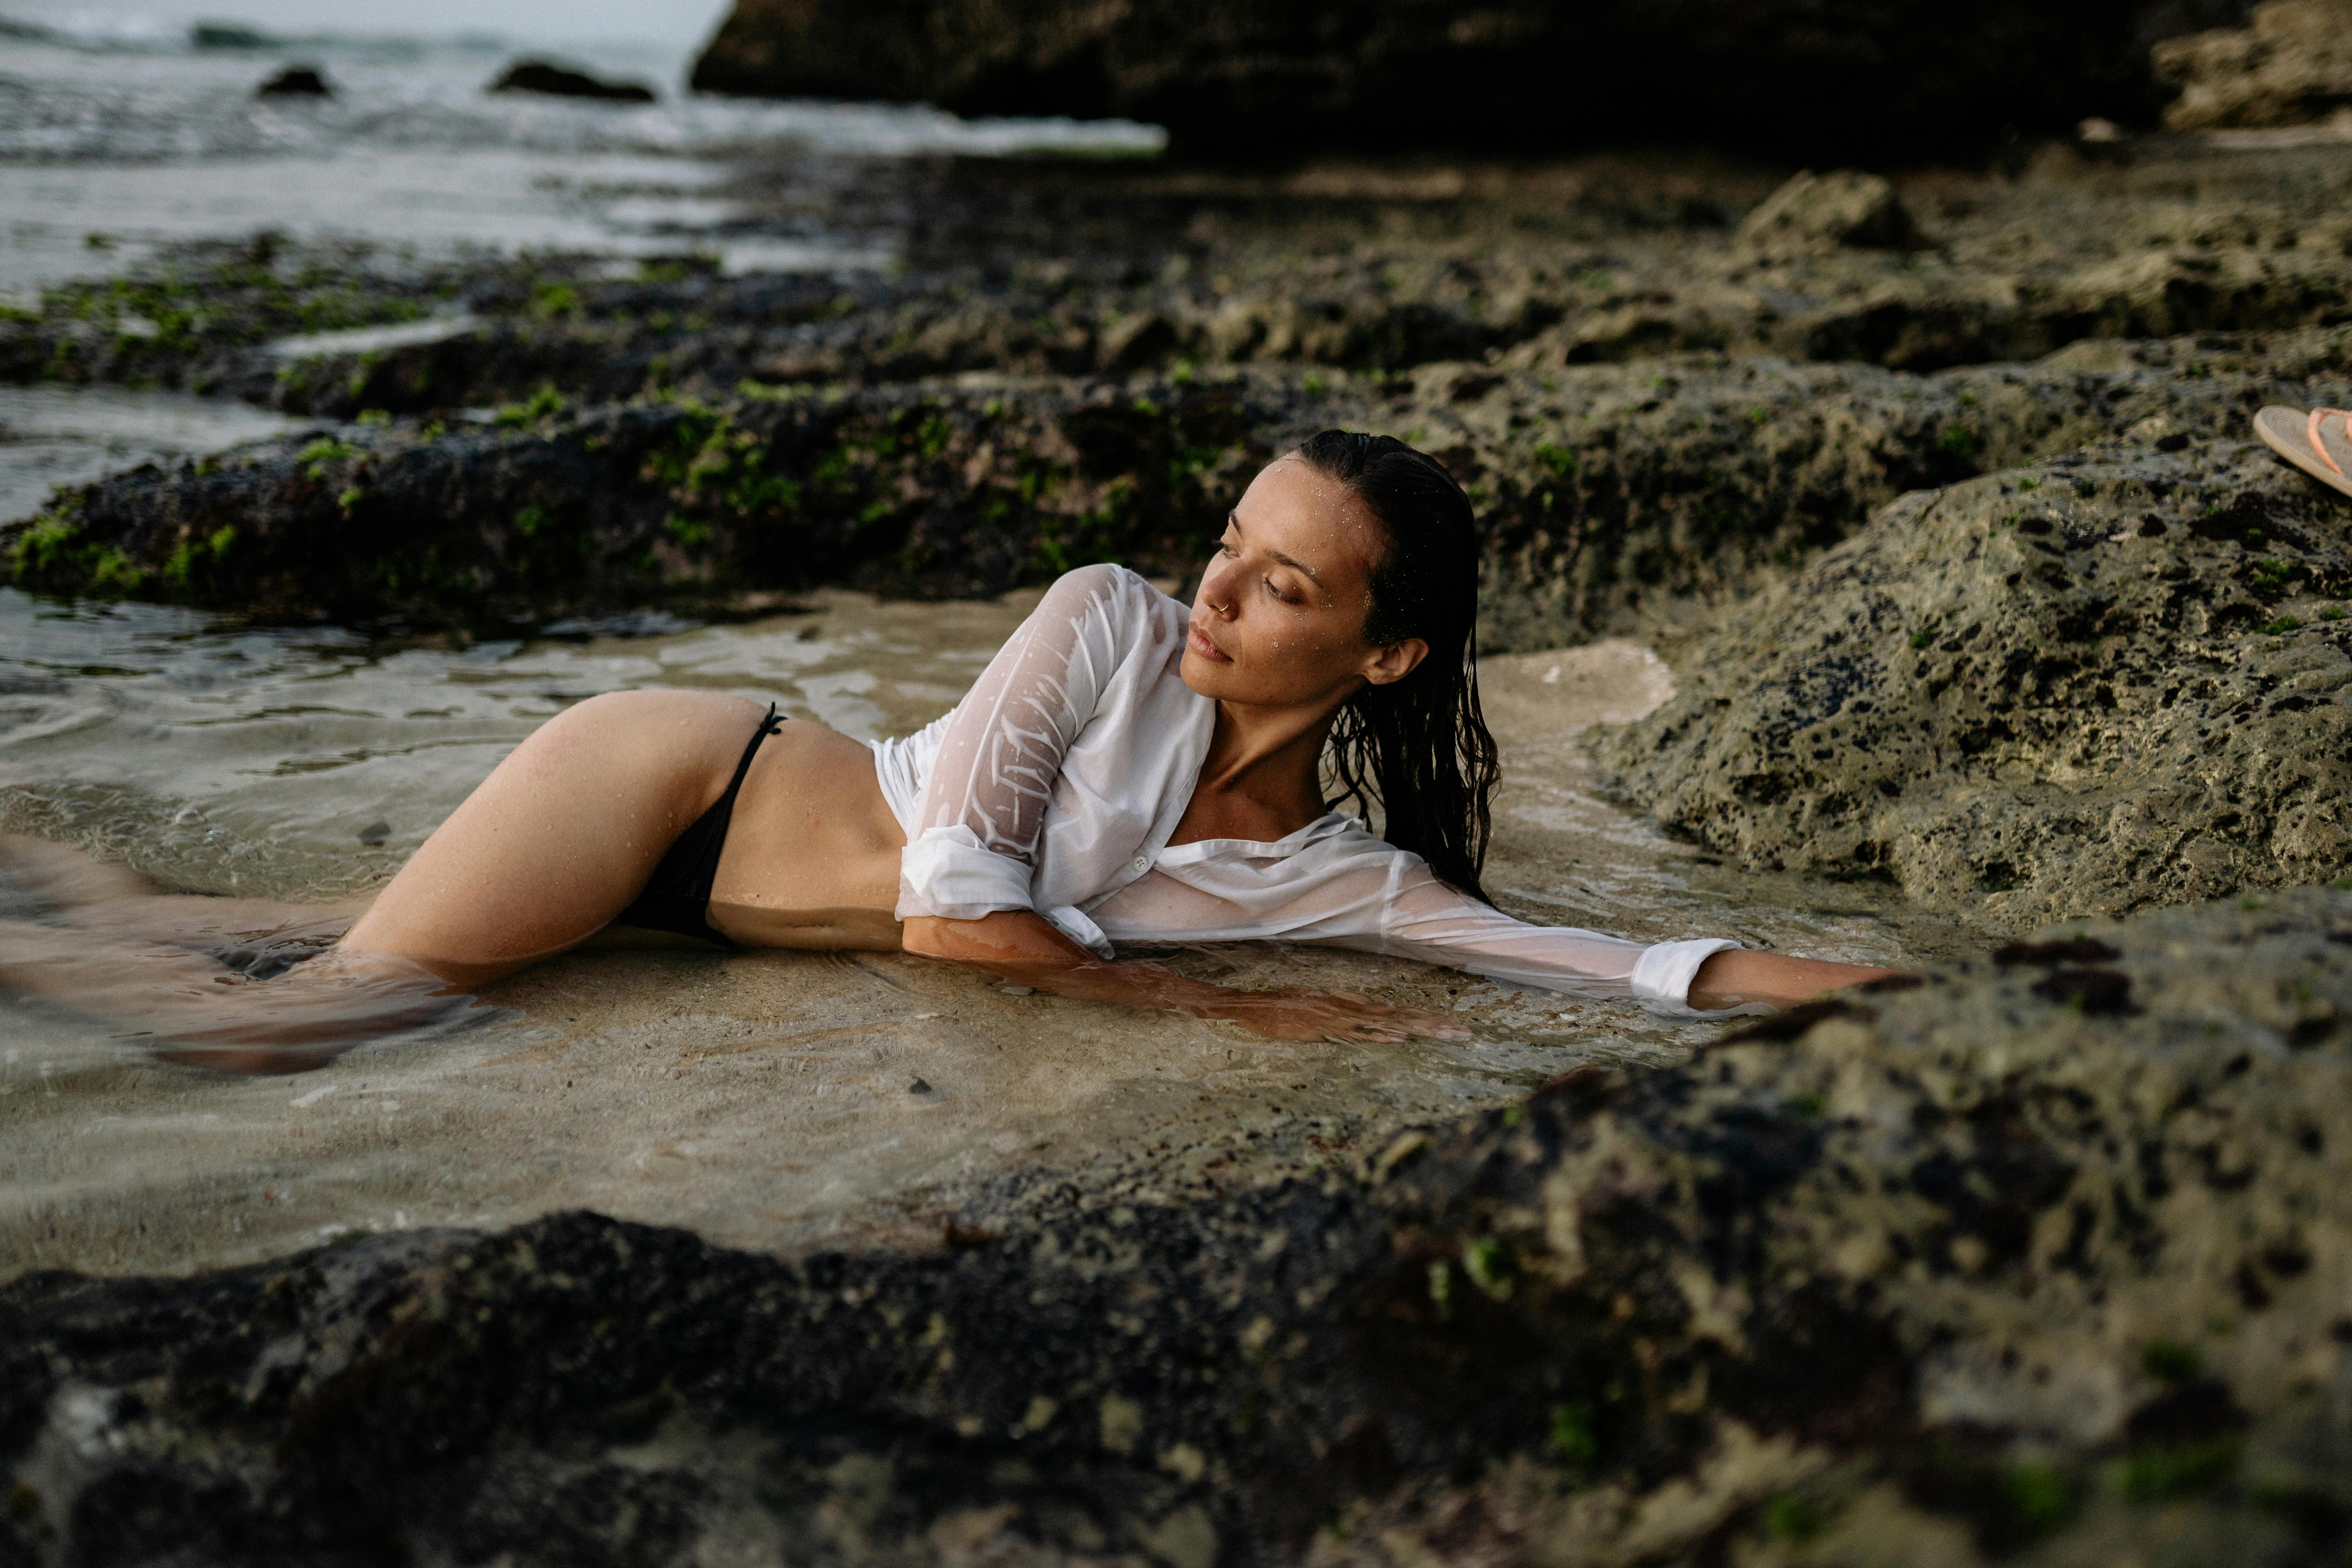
(1110, 592)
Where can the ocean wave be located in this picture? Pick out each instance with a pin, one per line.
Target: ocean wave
(113, 32)
(125, 102)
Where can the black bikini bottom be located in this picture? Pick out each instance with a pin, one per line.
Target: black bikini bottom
(677, 898)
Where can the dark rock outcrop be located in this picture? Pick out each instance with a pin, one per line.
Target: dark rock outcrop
(561, 81)
(1901, 77)
(296, 81)
(2114, 679)
(2047, 1260)
(1616, 499)
(2290, 65)
(1143, 271)
(539, 511)
(1822, 212)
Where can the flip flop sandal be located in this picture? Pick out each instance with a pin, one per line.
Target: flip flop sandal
(2300, 438)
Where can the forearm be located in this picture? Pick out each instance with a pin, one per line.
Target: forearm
(1026, 948)
(1018, 945)
(1739, 976)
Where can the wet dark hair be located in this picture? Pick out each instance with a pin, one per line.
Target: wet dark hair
(1419, 746)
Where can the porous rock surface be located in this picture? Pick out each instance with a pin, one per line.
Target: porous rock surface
(2290, 65)
(1616, 499)
(1902, 77)
(2047, 1260)
(1067, 272)
(2115, 678)
(1817, 212)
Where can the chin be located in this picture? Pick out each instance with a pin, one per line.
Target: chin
(1204, 677)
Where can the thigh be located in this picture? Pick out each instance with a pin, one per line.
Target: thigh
(562, 836)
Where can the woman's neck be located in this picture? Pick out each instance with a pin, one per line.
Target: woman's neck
(1262, 778)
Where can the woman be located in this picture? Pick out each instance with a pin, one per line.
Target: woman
(1124, 771)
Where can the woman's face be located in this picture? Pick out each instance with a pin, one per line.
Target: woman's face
(1279, 619)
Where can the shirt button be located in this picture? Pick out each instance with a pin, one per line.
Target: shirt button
(1141, 863)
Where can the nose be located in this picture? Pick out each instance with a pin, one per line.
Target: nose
(1217, 595)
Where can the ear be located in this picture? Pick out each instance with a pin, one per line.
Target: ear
(1388, 665)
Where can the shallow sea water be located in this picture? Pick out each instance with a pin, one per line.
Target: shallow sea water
(776, 1101)
(52, 435)
(113, 146)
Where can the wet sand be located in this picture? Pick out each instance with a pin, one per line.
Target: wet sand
(787, 1101)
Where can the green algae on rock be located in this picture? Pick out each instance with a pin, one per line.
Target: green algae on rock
(2046, 1260)
(2114, 679)
(539, 511)
(1615, 499)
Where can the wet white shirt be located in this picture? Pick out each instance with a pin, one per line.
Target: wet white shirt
(1055, 784)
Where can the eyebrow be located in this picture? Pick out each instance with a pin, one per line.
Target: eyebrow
(1233, 521)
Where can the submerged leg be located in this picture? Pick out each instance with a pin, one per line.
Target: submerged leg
(90, 894)
(554, 843)
(66, 878)
(194, 1009)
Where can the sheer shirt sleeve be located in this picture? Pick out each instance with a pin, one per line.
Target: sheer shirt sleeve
(1351, 890)
(1430, 922)
(974, 850)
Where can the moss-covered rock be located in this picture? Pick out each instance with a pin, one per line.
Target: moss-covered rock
(538, 510)
(1615, 499)
(2049, 1259)
(2117, 678)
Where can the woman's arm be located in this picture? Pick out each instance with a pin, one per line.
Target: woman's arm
(1371, 896)
(1737, 977)
(1025, 948)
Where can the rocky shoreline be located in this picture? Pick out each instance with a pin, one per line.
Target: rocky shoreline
(1938, 498)
(2046, 1257)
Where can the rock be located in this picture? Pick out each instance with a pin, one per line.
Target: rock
(296, 81)
(558, 82)
(1903, 79)
(2049, 1259)
(1822, 212)
(2114, 679)
(539, 511)
(1617, 499)
(2290, 65)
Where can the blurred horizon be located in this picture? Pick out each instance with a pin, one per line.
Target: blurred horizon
(682, 24)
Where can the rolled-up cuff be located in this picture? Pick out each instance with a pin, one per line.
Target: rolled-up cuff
(946, 874)
(1663, 977)
(1074, 924)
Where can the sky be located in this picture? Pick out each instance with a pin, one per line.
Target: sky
(674, 22)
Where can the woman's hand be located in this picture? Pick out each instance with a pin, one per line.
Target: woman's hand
(1025, 948)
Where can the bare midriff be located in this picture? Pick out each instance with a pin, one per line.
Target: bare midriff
(812, 855)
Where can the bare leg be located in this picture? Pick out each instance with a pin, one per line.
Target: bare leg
(67, 878)
(554, 844)
(200, 1012)
(90, 894)
(562, 837)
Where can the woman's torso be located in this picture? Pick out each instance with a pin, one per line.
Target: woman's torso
(812, 854)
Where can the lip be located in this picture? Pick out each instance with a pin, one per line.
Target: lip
(1199, 642)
